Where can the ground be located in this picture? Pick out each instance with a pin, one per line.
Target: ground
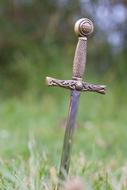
(31, 137)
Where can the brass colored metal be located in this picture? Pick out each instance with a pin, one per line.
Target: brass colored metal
(79, 62)
(76, 85)
(83, 28)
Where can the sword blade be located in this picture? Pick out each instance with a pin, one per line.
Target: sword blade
(69, 131)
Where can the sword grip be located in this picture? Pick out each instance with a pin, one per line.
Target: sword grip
(83, 28)
(80, 58)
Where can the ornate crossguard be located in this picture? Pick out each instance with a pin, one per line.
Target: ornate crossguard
(83, 28)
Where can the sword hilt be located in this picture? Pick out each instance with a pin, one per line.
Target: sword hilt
(83, 28)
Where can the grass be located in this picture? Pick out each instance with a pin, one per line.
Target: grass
(31, 136)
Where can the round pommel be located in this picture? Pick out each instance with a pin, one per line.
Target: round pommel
(83, 27)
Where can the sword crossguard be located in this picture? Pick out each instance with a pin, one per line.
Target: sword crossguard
(83, 28)
(76, 85)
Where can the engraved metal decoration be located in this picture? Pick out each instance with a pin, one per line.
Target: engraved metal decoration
(83, 28)
(76, 85)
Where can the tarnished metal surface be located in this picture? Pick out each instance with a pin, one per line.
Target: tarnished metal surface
(83, 28)
(76, 85)
(68, 138)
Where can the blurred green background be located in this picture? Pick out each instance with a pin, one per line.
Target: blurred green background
(37, 40)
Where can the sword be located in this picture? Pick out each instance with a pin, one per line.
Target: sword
(83, 28)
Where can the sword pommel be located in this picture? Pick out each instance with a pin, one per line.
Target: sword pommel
(83, 27)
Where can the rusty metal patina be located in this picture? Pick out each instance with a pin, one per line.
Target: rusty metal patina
(83, 28)
(76, 85)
